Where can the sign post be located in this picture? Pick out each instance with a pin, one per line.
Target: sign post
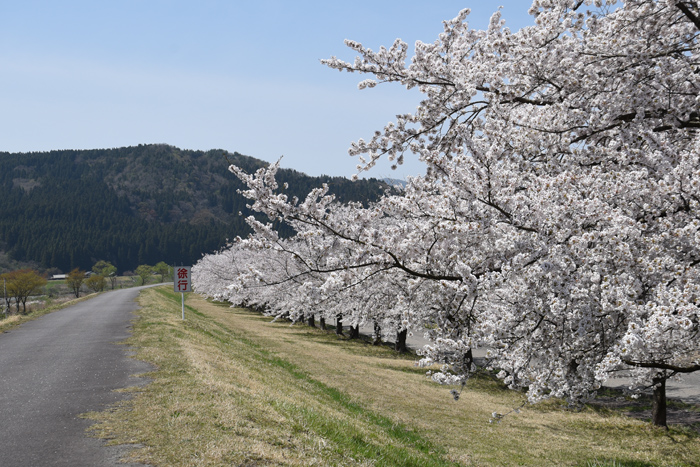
(6, 304)
(183, 283)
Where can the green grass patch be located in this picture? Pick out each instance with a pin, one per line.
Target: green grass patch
(233, 388)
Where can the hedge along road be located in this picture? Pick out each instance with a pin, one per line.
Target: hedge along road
(58, 366)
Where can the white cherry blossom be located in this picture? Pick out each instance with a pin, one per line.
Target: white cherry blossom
(556, 225)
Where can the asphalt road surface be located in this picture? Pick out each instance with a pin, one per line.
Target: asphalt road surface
(57, 367)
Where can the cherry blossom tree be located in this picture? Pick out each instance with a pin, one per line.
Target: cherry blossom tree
(557, 222)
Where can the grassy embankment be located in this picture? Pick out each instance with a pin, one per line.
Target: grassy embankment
(232, 388)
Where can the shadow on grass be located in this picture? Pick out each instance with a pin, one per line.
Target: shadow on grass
(611, 400)
(363, 345)
(617, 463)
(682, 416)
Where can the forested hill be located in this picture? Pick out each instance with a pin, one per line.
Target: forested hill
(134, 205)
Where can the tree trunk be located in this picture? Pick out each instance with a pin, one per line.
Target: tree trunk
(339, 324)
(377, 334)
(8, 306)
(322, 323)
(400, 345)
(469, 361)
(312, 321)
(658, 410)
(355, 332)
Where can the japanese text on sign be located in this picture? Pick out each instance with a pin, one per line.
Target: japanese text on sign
(183, 279)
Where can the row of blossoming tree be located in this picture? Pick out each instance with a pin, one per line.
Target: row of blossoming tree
(557, 223)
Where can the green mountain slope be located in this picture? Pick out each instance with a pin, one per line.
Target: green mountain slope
(134, 205)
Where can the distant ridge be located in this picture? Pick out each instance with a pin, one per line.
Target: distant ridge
(134, 205)
(395, 182)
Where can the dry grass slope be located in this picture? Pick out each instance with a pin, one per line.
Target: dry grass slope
(232, 388)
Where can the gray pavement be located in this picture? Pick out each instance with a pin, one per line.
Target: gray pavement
(57, 367)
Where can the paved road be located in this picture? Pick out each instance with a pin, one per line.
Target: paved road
(57, 367)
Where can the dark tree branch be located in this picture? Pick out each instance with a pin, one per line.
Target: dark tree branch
(663, 366)
(688, 13)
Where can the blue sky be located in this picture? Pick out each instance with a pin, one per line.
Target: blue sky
(198, 74)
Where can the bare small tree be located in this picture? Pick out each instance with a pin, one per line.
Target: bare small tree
(96, 283)
(20, 284)
(106, 270)
(144, 271)
(75, 280)
(163, 269)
